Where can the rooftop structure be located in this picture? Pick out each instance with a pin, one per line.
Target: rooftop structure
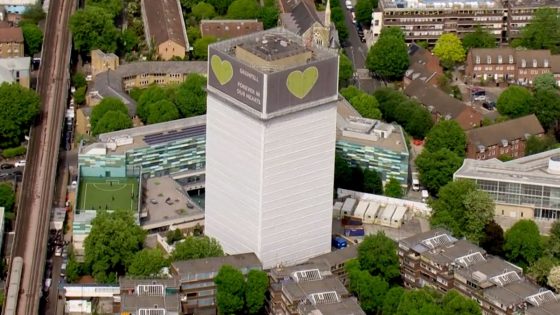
(165, 28)
(16, 69)
(149, 296)
(423, 65)
(224, 29)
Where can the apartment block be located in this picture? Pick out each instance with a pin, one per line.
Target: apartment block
(438, 260)
(426, 20)
(148, 296)
(11, 42)
(309, 288)
(507, 138)
(336, 261)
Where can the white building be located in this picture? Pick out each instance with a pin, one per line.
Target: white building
(271, 123)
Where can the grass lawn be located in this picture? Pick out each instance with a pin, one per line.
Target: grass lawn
(108, 194)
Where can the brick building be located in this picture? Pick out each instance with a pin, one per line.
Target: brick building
(165, 28)
(505, 138)
(11, 42)
(224, 29)
(423, 66)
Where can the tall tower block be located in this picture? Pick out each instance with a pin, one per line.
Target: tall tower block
(271, 129)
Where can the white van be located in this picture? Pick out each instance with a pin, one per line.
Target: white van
(415, 184)
(425, 196)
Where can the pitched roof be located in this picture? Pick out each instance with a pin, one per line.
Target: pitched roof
(435, 99)
(11, 34)
(204, 268)
(223, 29)
(302, 15)
(493, 53)
(555, 64)
(541, 56)
(423, 65)
(164, 19)
(507, 130)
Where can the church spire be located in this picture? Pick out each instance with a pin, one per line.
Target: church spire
(328, 14)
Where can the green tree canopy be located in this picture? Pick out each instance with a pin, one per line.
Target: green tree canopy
(107, 104)
(200, 46)
(111, 244)
(255, 291)
(128, 41)
(372, 181)
(269, 15)
(393, 188)
(446, 134)
(162, 111)
(80, 95)
(114, 7)
(147, 263)
(370, 290)
(345, 70)
(152, 94)
(33, 38)
(418, 302)
(540, 269)
(79, 80)
(462, 209)
(350, 92)
(342, 172)
(449, 50)
(480, 38)
(546, 107)
(388, 57)
(18, 108)
(34, 13)
(493, 239)
(73, 268)
(221, 6)
(523, 243)
(363, 10)
(7, 200)
(515, 101)
(457, 304)
(194, 247)
(545, 81)
(193, 33)
(392, 300)
(243, 9)
(543, 31)
(191, 96)
(92, 27)
(112, 121)
(437, 168)
(366, 105)
(536, 144)
(203, 10)
(377, 255)
(338, 18)
(230, 287)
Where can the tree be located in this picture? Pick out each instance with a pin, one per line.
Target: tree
(366, 105)
(194, 247)
(128, 41)
(392, 300)
(193, 33)
(107, 104)
(230, 287)
(221, 6)
(73, 267)
(393, 188)
(545, 81)
(191, 96)
(342, 172)
(18, 108)
(357, 179)
(372, 181)
(546, 107)
(112, 121)
(173, 236)
(114, 7)
(243, 9)
(420, 123)
(377, 254)
(350, 92)
(388, 57)
(80, 95)
(462, 209)
(418, 302)
(93, 28)
(255, 291)
(7, 197)
(111, 244)
(543, 32)
(79, 80)
(455, 303)
(437, 168)
(33, 38)
(536, 144)
(480, 38)
(447, 134)
(338, 18)
(523, 243)
(34, 13)
(345, 70)
(162, 111)
(515, 102)
(493, 239)
(363, 10)
(554, 278)
(147, 263)
(269, 16)
(150, 95)
(200, 46)
(369, 289)
(449, 50)
(203, 10)
(540, 270)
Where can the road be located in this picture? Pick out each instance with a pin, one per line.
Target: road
(32, 222)
(354, 48)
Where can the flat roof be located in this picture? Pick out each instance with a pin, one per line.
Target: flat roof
(133, 302)
(191, 269)
(489, 268)
(448, 253)
(348, 306)
(337, 257)
(300, 290)
(441, 4)
(513, 293)
(530, 170)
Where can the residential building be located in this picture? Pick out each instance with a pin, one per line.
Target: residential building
(302, 18)
(196, 279)
(506, 138)
(17, 6)
(149, 296)
(423, 66)
(11, 42)
(224, 29)
(101, 62)
(336, 260)
(509, 65)
(309, 288)
(272, 114)
(371, 144)
(16, 70)
(165, 28)
(438, 260)
(427, 20)
(443, 106)
(525, 188)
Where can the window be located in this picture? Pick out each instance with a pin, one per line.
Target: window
(488, 59)
(500, 59)
(477, 60)
(534, 63)
(546, 63)
(523, 63)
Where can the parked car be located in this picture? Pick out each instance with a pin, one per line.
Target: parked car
(7, 166)
(480, 98)
(489, 105)
(20, 163)
(339, 242)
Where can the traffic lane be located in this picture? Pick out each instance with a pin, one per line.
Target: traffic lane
(52, 298)
(354, 48)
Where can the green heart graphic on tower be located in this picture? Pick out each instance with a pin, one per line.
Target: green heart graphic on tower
(300, 83)
(222, 69)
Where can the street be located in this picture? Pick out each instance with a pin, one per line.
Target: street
(355, 49)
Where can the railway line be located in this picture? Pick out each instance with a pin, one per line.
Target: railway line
(35, 204)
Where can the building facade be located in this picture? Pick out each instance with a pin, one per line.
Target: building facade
(271, 124)
(507, 138)
(526, 188)
(16, 70)
(11, 42)
(224, 29)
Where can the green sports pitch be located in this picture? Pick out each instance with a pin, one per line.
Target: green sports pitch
(108, 193)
